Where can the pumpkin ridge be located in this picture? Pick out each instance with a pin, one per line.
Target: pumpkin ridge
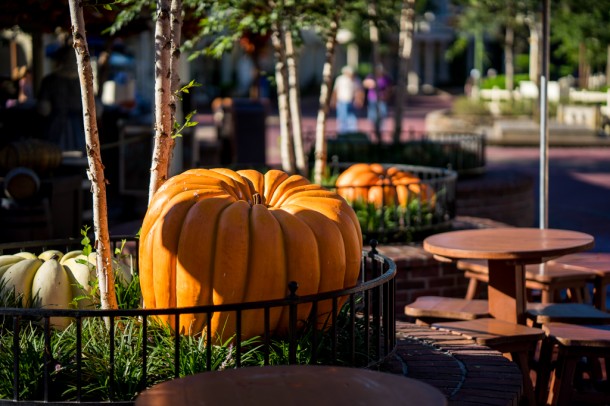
(255, 179)
(146, 263)
(266, 274)
(240, 183)
(195, 259)
(302, 261)
(164, 270)
(332, 255)
(294, 191)
(315, 197)
(288, 184)
(162, 197)
(158, 208)
(350, 231)
(273, 179)
(228, 183)
(150, 229)
(230, 261)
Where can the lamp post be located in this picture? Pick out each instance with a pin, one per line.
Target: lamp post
(544, 130)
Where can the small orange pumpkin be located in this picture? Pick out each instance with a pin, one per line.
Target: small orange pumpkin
(379, 185)
(218, 236)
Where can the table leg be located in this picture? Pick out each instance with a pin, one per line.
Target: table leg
(506, 291)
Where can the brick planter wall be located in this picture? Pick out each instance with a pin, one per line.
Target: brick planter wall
(420, 274)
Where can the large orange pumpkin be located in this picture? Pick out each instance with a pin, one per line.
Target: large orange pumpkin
(218, 236)
(380, 185)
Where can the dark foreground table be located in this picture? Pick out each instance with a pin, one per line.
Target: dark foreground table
(292, 385)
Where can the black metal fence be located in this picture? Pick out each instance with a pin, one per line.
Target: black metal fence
(461, 152)
(360, 333)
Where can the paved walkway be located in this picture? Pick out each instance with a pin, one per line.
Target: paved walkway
(579, 186)
(466, 373)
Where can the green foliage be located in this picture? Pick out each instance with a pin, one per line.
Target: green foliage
(469, 106)
(499, 81)
(393, 223)
(523, 107)
(129, 10)
(31, 348)
(575, 26)
(522, 63)
(179, 128)
(86, 242)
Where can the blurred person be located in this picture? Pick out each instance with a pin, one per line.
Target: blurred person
(59, 102)
(348, 98)
(378, 88)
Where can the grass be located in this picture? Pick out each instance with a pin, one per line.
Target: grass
(393, 223)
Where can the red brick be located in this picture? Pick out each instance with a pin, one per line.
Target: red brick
(441, 282)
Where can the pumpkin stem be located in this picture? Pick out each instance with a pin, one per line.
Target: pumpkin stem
(257, 199)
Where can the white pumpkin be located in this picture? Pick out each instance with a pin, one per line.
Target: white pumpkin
(42, 281)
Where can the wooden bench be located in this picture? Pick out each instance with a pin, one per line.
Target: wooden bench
(550, 279)
(571, 344)
(513, 339)
(575, 313)
(595, 262)
(429, 309)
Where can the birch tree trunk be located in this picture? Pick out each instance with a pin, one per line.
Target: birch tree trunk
(584, 69)
(324, 101)
(295, 105)
(281, 78)
(535, 28)
(176, 31)
(405, 48)
(608, 65)
(509, 63)
(163, 98)
(95, 171)
(374, 38)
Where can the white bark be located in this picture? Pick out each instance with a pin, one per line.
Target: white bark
(163, 98)
(509, 65)
(374, 38)
(176, 31)
(535, 38)
(281, 77)
(405, 48)
(295, 105)
(96, 168)
(324, 101)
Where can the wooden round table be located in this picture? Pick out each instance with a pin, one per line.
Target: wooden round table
(292, 385)
(507, 251)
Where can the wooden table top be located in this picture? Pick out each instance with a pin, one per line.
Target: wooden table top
(510, 243)
(292, 385)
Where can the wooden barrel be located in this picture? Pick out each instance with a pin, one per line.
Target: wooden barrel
(38, 155)
(21, 183)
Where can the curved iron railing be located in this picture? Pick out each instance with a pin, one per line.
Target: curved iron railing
(362, 333)
(461, 152)
(430, 209)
